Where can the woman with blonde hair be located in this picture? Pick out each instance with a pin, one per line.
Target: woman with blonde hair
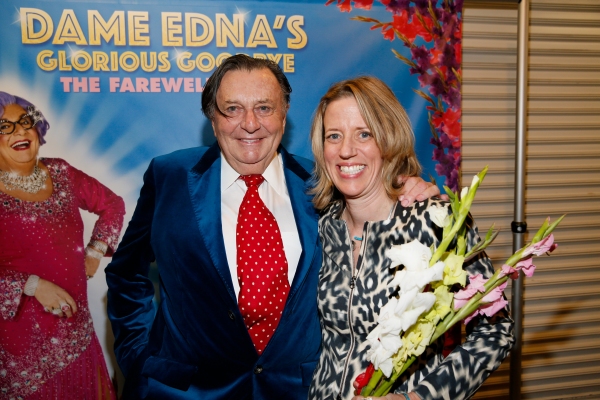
(362, 139)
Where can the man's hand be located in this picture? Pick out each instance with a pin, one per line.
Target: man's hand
(416, 189)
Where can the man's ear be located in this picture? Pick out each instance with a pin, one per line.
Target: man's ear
(286, 108)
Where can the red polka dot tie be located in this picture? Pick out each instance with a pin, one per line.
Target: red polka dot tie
(261, 266)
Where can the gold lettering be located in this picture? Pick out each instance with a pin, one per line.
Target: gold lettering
(28, 18)
(261, 34)
(148, 65)
(278, 24)
(135, 61)
(228, 30)
(44, 65)
(203, 66)
(184, 63)
(171, 22)
(274, 57)
(138, 26)
(163, 59)
(114, 61)
(100, 61)
(192, 39)
(114, 28)
(62, 61)
(81, 66)
(288, 63)
(69, 30)
(294, 26)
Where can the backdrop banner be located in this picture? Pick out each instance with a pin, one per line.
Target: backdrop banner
(120, 81)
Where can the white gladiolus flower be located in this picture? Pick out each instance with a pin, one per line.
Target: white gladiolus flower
(378, 354)
(409, 279)
(387, 367)
(439, 215)
(398, 315)
(463, 192)
(475, 180)
(409, 311)
(388, 320)
(414, 255)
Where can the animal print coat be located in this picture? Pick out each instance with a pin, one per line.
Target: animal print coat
(351, 296)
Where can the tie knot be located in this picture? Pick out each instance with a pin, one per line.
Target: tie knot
(252, 180)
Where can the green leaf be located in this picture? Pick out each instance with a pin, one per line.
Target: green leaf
(539, 235)
(554, 225)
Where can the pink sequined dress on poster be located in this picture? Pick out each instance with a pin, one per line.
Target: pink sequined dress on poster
(43, 356)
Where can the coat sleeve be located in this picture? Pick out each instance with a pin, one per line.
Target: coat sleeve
(130, 290)
(100, 200)
(488, 341)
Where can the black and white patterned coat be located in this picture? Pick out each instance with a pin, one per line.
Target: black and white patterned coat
(350, 297)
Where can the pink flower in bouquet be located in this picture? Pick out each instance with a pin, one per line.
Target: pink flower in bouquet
(511, 272)
(526, 265)
(493, 302)
(545, 245)
(475, 285)
(490, 304)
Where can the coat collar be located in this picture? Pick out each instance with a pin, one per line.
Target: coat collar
(204, 183)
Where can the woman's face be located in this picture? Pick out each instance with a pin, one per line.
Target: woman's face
(19, 149)
(352, 158)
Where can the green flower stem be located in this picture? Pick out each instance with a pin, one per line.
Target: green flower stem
(464, 207)
(515, 258)
(441, 249)
(373, 383)
(387, 383)
(465, 204)
(473, 304)
(442, 326)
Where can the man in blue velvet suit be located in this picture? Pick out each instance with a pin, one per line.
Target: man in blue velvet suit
(196, 345)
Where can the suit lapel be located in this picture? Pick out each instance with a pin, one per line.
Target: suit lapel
(298, 182)
(204, 183)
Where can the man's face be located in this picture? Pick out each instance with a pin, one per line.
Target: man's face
(252, 127)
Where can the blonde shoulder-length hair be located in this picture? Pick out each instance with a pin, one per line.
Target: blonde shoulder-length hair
(389, 125)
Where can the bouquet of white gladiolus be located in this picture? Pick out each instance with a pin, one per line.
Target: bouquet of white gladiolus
(426, 306)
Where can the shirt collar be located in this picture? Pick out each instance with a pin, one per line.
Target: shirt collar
(274, 175)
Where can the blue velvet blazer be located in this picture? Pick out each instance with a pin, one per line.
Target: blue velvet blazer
(195, 345)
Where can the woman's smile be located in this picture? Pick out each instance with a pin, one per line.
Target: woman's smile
(21, 145)
(352, 158)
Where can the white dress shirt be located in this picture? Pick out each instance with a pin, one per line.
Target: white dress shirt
(273, 192)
